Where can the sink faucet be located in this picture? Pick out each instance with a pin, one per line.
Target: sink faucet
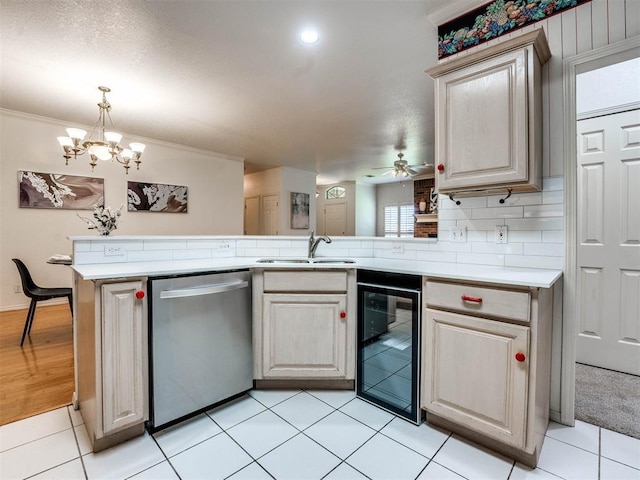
(313, 244)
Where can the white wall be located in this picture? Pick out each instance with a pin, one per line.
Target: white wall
(31, 234)
(366, 205)
(349, 199)
(299, 181)
(391, 194)
(282, 181)
(610, 86)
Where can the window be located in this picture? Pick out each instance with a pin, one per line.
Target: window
(398, 220)
(335, 192)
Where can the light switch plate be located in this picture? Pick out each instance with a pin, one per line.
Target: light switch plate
(501, 234)
(224, 246)
(459, 234)
(397, 248)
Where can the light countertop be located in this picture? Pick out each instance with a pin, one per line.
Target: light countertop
(526, 277)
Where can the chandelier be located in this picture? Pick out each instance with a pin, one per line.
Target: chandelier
(106, 146)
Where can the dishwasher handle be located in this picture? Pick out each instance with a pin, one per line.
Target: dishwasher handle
(205, 290)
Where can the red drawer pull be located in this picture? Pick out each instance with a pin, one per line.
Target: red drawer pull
(467, 298)
(139, 294)
(441, 167)
(520, 357)
(343, 315)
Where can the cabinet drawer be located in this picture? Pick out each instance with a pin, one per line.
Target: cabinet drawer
(494, 302)
(305, 281)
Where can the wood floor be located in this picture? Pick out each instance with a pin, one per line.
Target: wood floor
(39, 376)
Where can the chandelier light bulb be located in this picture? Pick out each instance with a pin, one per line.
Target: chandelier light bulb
(112, 137)
(76, 133)
(100, 151)
(127, 153)
(65, 142)
(137, 147)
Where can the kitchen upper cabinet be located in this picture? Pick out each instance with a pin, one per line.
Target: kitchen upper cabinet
(487, 363)
(304, 325)
(488, 118)
(111, 359)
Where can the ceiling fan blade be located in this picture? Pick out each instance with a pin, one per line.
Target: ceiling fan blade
(411, 171)
(379, 168)
(387, 172)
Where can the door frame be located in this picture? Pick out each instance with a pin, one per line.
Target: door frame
(584, 62)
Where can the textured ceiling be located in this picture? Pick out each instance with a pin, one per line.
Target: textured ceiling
(232, 76)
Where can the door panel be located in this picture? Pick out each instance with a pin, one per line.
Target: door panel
(608, 250)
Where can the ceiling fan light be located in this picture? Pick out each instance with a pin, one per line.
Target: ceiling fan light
(127, 153)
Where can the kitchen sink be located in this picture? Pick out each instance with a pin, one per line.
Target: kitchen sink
(283, 260)
(332, 260)
(306, 260)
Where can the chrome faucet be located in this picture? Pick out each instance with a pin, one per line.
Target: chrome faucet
(313, 244)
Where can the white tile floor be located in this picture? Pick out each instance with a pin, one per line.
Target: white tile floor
(301, 435)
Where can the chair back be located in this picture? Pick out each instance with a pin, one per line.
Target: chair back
(28, 285)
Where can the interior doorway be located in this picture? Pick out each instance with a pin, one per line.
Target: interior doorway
(587, 302)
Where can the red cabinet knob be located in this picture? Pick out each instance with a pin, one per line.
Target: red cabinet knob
(139, 294)
(520, 357)
(343, 315)
(441, 167)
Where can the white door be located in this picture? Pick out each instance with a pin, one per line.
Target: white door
(270, 215)
(335, 219)
(252, 216)
(608, 236)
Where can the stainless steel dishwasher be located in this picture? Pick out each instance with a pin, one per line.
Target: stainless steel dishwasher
(199, 343)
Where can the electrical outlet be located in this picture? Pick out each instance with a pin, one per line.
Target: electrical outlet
(17, 289)
(459, 234)
(113, 251)
(501, 234)
(224, 246)
(397, 248)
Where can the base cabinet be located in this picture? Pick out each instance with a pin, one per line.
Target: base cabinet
(487, 364)
(304, 336)
(111, 357)
(474, 377)
(304, 325)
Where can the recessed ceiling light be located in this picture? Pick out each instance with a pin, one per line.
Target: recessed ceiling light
(309, 36)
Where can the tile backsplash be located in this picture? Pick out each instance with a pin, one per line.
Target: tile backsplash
(534, 222)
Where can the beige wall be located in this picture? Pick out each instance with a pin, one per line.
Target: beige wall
(29, 143)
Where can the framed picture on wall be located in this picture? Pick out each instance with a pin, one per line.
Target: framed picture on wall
(53, 190)
(299, 210)
(156, 197)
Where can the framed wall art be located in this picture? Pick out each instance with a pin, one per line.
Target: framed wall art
(53, 190)
(156, 197)
(299, 210)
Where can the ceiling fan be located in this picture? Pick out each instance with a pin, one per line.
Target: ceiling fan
(401, 167)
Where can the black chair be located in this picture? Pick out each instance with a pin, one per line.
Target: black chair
(36, 293)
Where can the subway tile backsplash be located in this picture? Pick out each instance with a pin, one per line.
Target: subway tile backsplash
(534, 221)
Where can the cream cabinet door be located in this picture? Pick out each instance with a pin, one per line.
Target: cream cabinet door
(123, 356)
(304, 336)
(482, 119)
(476, 374)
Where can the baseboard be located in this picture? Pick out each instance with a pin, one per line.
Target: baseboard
(25, 306)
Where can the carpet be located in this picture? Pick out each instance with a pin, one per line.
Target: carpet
(608, 399)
